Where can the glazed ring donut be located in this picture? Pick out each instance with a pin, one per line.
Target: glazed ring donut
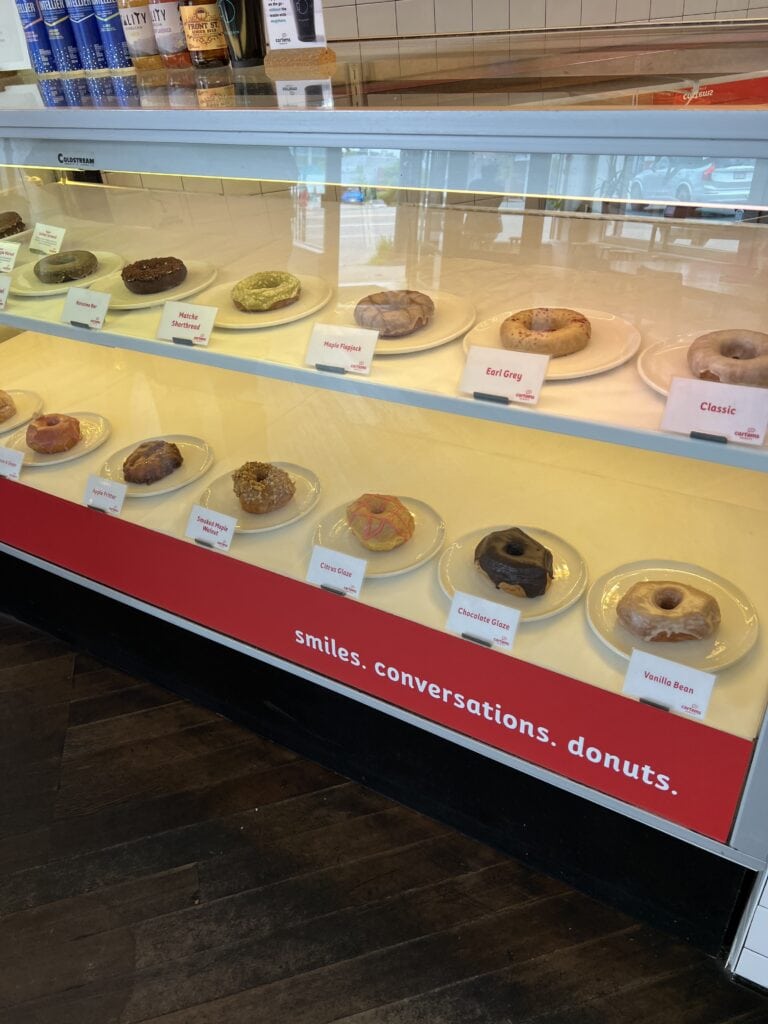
(394, 314)
(666, 612)
(515, 563)
(157, 274)
(380, 522)
(547, 330)
(69, 265)
(7, 406)
(53, 433)
(261, 487)
(731, 357)
(269, 289)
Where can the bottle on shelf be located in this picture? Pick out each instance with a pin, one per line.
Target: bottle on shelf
(244, 31)
(182, 85)
(304, 13)
(112, 35)
(215, 88)
(204, 33)
(169, 33)
(137, 26)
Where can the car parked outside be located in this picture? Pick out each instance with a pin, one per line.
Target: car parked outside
(695, 180)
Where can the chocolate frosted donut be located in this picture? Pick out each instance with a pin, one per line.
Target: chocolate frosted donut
(515, 562)
(152, 461)
(145, 277)
(10, 224)
(395, 314)
(70, 265)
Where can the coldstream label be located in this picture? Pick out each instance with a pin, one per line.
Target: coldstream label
(202, 27)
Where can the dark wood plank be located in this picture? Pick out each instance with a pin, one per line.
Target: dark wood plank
(139, 697)
(87, 740)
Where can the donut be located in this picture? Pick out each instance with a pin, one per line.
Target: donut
(261, 487)
(7, 406)
(53, 433)
(269, 289)
(546, 330)
(661, 611)
(394, 314)
(380, 522)
(10, 224)
(70, 265)
(151, 461)
(158, 274)
(731, 357)
(515, 563)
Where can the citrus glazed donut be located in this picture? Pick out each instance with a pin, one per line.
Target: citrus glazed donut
(261, 487)
(661, 611)
(546, 330)
(270, 289)
(395, 314)
(731, 357)
(52, 433)
(64, 266)
(380, 522)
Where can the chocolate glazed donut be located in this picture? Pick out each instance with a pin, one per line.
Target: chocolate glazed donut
(515, 562)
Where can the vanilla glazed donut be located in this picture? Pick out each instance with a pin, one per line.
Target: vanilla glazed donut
(261, 487)
(662, 611)
(53, 433)
(396, 313)
(269, 289)
(546, 330)
(731, 357)
(64, 266)
(380, 522)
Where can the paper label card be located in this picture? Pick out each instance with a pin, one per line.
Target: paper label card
(8, 253)
(108, 495)
(84, 308)
(337, 347)
(47, 238)
(336, 571)
(678, 687)
(308, 94)
(211, 529)
(5, 285)
(186, 324)
(733, 411)
(10, 463)
(516, 376)
(294, 24)
(479, 619)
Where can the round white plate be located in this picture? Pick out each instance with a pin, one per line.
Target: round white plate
(453, 316)
(199, 276)
(661, 362)
(315, 293)
(28, 405)
(428, 536)
(198, 459)
(457, 571)
(732, 640)
(220, 497)
(614, 341)
(24, 282)
(94, 431)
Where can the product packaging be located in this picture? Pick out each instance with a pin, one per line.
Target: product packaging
(60, 35)
(112, 35)
(85, 28)
(36, 35)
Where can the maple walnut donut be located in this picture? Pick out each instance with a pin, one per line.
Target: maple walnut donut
(546, 330)
(70, 265)
(515, 563)
(152, 461)
(269, 289)
(261, 487)
(394, 314)
(158, 274)
(53, 433)
(380, 522)
(661, 611)
(7, 406)
(731, 357)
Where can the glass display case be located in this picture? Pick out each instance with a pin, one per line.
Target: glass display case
(630, 222)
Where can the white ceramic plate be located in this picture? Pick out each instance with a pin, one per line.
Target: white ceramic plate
(428, 536)
(315, 293)
(220, 497)
(28, 405)
(732, 640)
(453, 316)
(199, 276)
(658, 364)
(197, 455)
(24, 282)
(457, 571)
(613, 342)
(94, 430)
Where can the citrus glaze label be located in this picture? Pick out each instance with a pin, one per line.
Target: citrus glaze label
(202, 27)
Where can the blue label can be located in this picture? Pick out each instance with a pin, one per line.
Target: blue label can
(76, 91)
(86, 32)
(126, 90)
(61, 36)
(112, 35)
(36, 35)
(51, 92)
(102, 92)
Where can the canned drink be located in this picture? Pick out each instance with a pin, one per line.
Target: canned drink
(126, 90)
(76, 92)
(36, 35)
(60, 35)
(51, 92)
(82, 18)
(102, 91)
(112, 35)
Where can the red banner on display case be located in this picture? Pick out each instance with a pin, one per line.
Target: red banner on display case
(662, 763)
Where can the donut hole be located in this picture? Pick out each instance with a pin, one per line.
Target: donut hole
(738, 350)
(262, 473)
(541, 321)
(514, 548)
(668, 598)
(377, 508)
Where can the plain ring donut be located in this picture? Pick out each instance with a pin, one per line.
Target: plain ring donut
(731, 357)
(546, 330)
(53, 433)
(70, 265)
(662, 611)
(395, 313)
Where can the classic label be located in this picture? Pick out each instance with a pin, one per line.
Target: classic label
(5, 284)
(8, 253)
(678, 687)
(479, 619)
(211, 529)
(108, 495)
(186, 323)
(336, 571)
(10, 463)
(202, 27)
(47, 238)
(517, 376)
(341, 348)
(82, 307)
(733, 411)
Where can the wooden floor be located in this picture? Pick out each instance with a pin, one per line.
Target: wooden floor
(160, 864)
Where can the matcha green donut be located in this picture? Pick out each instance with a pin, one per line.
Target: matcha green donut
(269, 289)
